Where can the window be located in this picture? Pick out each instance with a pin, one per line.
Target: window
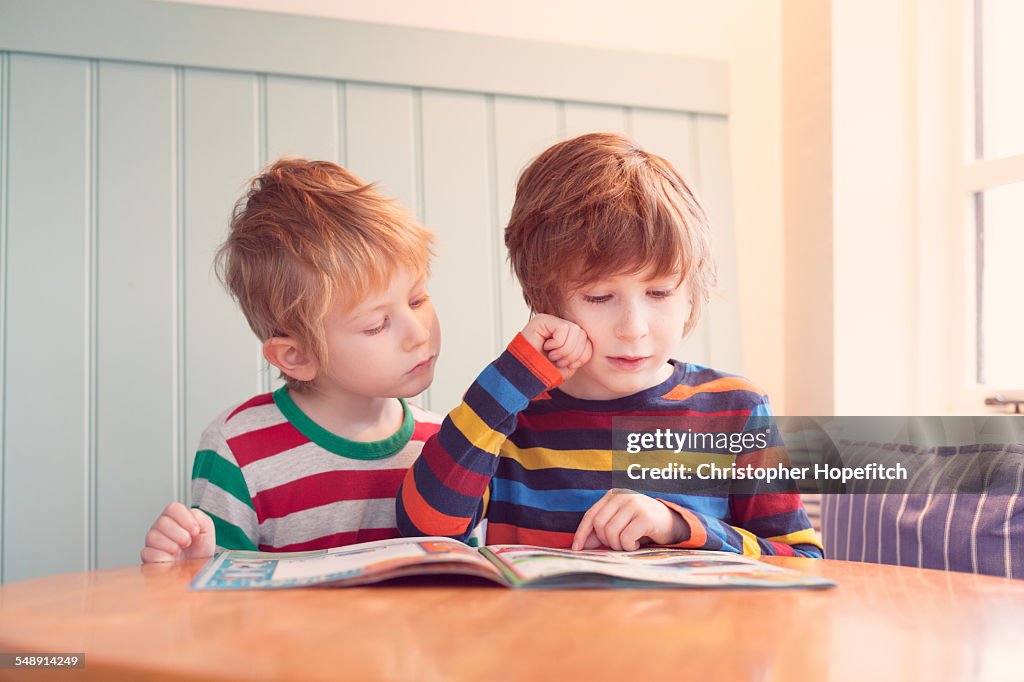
(992, 186)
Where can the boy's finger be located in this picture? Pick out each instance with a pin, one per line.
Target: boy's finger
(569, 350)
(582, 533)
(183, 516)
(204, 521)
(585, 352)
(159, 542)
(586, 526)
(591, 542)
(603, 517)
(632, 534)
(150, 555)
(556, 353)
(615, 525)
(561, 332)
(173, 530)
(588, 352)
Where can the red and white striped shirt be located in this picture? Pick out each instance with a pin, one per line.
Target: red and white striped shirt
(274, 480)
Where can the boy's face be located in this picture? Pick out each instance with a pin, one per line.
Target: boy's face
(384, 347)
(635, 323)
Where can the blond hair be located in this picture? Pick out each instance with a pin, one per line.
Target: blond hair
(308, 235)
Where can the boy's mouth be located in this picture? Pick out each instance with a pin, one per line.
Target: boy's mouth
(422, 366)
(628, 362)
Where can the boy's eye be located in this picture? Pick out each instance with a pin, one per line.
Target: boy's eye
(379, 328)
(660, 293)
(597, 299)
(417, 302)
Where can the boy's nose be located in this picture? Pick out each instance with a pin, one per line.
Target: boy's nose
(631, 325)
(417, 333)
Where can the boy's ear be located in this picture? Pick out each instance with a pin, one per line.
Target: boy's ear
(287, 355)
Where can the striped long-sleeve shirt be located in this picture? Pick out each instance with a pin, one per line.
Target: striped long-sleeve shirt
(531, 459)
(274, 480)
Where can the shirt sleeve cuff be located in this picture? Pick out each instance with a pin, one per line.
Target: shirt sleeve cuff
(535, 361)
(698, 534)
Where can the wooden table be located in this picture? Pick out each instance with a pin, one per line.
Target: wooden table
(882, 622)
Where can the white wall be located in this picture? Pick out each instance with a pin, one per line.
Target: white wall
(868, 165)
(743, 33)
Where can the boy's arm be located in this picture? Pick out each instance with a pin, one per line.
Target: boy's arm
(443, 492)
(766, 518)
(220, 490)
(763, 524)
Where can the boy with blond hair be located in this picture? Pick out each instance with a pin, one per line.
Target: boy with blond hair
(613, 253)
(331, 277)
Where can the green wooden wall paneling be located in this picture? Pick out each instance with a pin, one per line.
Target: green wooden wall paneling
(320, 47)
(457, 207)
(136, 269)
(47, 443)
(5, 59)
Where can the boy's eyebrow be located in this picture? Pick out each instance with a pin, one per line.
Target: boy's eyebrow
(359, 313)
(368, 311)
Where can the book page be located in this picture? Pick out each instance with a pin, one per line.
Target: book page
(352, 564)
(652, 565)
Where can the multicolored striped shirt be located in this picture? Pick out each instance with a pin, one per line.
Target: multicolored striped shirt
(531, 460)
(272, 479)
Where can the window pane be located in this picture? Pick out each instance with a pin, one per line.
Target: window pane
(1001, 314)
(1001, 54)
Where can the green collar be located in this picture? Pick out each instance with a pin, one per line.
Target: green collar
(352, 449)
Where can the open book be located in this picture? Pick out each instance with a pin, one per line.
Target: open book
(521, 566)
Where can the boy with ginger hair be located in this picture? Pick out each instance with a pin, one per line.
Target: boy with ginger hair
(613, 253)
(331, 277)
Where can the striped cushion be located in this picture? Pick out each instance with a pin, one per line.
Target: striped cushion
(962, 510)
(805, 441)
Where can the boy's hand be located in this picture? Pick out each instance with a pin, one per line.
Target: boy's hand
(623, 519)
(180, 533)
(565, 343)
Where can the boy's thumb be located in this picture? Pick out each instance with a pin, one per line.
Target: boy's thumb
(204, 521)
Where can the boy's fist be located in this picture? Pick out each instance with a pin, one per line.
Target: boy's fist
(180, 533)
(566, 345)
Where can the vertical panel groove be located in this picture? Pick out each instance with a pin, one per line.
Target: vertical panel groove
(417, 149)
(340, 129)
(695, 181)
(178, 446)
(5, 116)
(263, 369)
(91, 305)
(261, 120)
(496, 231)
(420, 200)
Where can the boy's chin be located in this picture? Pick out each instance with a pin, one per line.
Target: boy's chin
(415, 386)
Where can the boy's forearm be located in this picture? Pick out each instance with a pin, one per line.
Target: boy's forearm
(443, 492)
(787, 534)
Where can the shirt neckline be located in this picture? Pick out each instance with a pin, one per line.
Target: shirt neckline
(353, 449)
